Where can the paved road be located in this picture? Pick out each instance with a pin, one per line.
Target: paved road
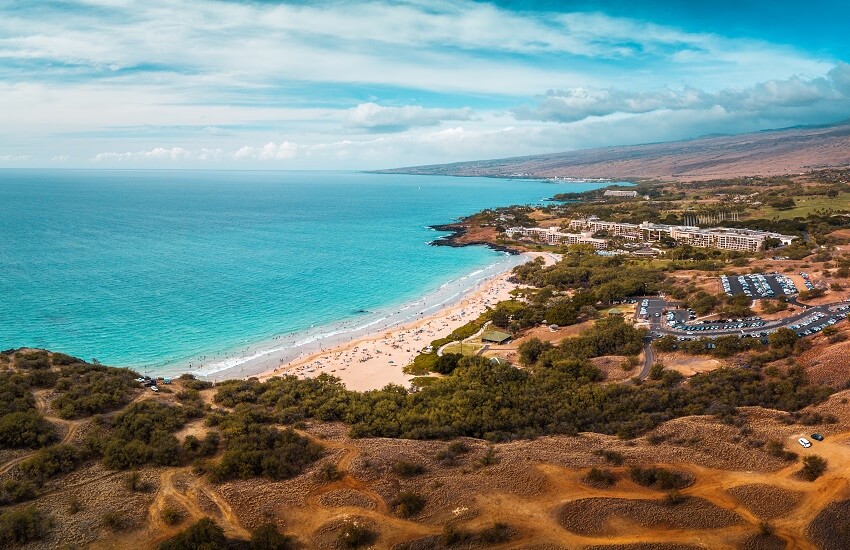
(648, 358)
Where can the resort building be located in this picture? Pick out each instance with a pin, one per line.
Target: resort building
(553, 236)
(715, 237)
(616, 193)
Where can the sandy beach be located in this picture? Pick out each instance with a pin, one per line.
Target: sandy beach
(375, 360)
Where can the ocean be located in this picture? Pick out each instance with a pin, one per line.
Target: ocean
(158, 269)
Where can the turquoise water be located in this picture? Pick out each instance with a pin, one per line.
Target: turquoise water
(155, 267)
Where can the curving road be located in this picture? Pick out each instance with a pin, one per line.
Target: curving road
(648, 358)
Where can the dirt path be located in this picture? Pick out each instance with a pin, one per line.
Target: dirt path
(346, 481)
(170, 495)
(43, 406)
(539, 524)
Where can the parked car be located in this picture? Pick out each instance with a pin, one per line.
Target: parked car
(804, 442)
(817, 437)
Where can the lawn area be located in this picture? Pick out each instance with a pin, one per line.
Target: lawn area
(469, 348)
(805, 206)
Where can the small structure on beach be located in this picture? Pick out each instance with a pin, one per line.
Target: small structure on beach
(496, 337)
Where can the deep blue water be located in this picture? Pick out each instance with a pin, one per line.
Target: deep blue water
(153, 267)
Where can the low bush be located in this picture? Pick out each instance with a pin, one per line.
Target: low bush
(354, 535)
(658, 478)
(16, 490)
(598, 476)
(403, 468)
(407, 504)
(261, 451)
(53, 461)
(267, 537)
(777, 449)
(171, 516)
(192, 383)
(202, 535)
(85, 390)
(32, 360)
(612, 457)
(22, 525)
(813, 467)
(329, 472)
(25, 429)
(114, 521)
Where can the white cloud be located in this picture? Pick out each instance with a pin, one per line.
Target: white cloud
(580, 103)
(16, 158)
(60, 158)
(374, 117)
(161, 153)
(270, 151)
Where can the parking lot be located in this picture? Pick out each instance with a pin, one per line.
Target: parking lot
(758, 285)
(818, 321)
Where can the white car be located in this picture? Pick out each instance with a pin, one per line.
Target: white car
(804, 442)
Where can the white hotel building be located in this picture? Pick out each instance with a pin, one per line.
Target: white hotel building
(714, 237)
(551, 235)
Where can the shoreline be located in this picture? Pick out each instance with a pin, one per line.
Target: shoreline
(280, 351)
(375, 360)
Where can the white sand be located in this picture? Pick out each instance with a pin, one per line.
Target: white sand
(375, 360)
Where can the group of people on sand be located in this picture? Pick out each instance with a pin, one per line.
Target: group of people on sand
(396, 348)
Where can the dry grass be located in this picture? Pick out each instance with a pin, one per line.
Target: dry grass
(611, 516)
(766, 501)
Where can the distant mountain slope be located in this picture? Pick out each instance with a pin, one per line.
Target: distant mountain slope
(770, 152)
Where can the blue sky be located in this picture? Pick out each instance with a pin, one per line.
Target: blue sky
(354, 85)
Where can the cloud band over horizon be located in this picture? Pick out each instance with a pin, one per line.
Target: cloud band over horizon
(101, 83)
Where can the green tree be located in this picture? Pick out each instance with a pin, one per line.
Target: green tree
(267, 537)
(202, 535)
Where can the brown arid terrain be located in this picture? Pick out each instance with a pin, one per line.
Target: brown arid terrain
(771, 152)
(731, 491)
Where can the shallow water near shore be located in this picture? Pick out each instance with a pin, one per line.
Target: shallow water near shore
(163, 269)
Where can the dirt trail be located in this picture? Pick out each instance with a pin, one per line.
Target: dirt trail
(169, 495)
(540, 525)
(43, 406)
(346, 481)
(535, 517)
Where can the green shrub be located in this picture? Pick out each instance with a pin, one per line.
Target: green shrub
(775, 448)
(403, 468)
(260, 451)
(192, 383)
(447, 363)
(74, 505)
(142, 433)
(25, 429)
(22, 525)
(114, 521)
(598, 476)
(171, 516)
(674, 497)
(267, 537)
(612, 457)
(658, 478)
(134, 483)
(202, 535)
(329, 472)
(16, 490)
(813, 467)
(32, 360)
(407, 504)
(354, 535)
(85, 390)
(52, 461)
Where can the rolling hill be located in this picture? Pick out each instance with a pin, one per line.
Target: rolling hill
(769, 152)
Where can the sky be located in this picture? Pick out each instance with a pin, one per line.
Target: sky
(367, 85)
